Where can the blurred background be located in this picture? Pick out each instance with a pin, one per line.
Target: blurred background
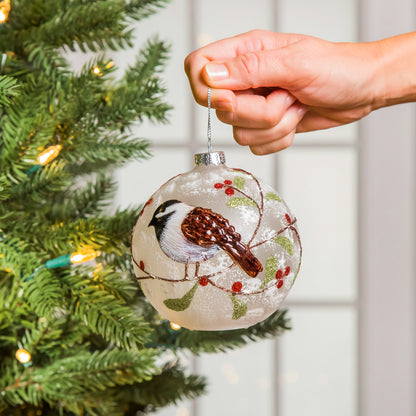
(352, 348)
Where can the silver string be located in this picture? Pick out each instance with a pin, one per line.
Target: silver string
(209, 129)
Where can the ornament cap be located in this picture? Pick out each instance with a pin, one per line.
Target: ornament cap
(211, 158)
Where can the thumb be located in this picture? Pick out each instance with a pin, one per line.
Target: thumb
(269, 68)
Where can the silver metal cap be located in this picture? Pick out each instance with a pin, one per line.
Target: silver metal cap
(213, 158)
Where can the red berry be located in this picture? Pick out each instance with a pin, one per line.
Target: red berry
(203, 281)
(288, 218)
(279, 274)
(228, 182)
(279, 284)
(287, 270)
(237, 286)
(229, 191)
(218, 185)
(141, 265)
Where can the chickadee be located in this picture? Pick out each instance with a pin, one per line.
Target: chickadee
(189, 234)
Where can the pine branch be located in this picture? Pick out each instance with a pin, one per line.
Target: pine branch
(76, 378)
(221, 341)
(167, 388)
(90, 199)
(141, 90)
(44, 293)
(9, 88)
(110, 151)
(103, 313)
(140, 9)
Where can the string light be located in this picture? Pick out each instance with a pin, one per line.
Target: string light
(4, 10)
(96, 71)
(84, 255)
(81, 256)
(49, 154)
(23, 356)
(175, 326)
(45, 157)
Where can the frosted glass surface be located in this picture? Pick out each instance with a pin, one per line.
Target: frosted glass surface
(240, 382)
(318, 362)
(320, 186)
(334, 20)
(137, 181)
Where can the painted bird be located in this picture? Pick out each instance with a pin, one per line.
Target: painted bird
(189, 234)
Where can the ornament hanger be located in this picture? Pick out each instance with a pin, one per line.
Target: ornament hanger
(209, 129)
(209, 158)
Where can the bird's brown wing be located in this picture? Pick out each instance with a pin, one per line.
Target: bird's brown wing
(205, 228)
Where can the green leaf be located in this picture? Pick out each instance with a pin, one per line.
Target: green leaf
(239, 182)
(271, 196)
(236, 201)
(285, 243)
(180, 304)
(271, 269)
(239, 307)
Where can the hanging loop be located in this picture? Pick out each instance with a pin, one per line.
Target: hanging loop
(209, 129)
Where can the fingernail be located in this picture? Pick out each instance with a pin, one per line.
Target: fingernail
(290, 99)
(302, 111)
(216, 72)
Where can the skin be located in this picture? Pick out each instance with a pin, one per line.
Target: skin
(269, 85)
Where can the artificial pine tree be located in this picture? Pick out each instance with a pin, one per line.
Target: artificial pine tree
(81, 339)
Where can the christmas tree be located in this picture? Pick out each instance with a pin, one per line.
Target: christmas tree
(77, 336)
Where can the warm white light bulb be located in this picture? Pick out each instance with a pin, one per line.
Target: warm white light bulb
(23, 356)
(49, 154)
(96, 70)
(4, 10)
(175, 326)
(84, 255)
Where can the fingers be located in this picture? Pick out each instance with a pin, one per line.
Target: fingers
(240, 53)
(269, 140)
(255, 111)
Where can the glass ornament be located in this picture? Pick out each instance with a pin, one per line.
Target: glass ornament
(216, 248)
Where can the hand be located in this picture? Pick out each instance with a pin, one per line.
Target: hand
(270, 85)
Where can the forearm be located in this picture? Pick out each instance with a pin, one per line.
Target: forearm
(396, 70)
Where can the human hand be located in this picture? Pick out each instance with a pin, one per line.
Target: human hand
(270, 85)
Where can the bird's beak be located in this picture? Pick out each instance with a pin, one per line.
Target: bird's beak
(153, 222)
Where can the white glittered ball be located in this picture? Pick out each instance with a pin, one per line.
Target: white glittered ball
(216, 248)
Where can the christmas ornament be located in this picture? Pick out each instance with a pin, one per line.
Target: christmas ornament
(216, 248)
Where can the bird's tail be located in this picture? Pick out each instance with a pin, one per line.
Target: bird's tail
(244, 257)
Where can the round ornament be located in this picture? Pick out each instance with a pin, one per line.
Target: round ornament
(216, 248)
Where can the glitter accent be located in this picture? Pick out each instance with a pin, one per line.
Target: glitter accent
(239, 182)
(240, 202)
(285, 243)
(180, 304)
(239, 307)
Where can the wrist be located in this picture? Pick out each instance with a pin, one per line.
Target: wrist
(395, 70)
